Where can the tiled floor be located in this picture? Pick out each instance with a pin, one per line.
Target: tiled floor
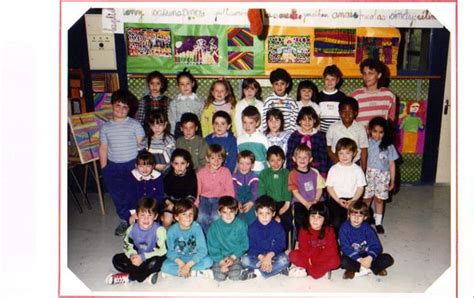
(417, 224)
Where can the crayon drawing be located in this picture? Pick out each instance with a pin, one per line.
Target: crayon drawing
(289, 49)
(239, 37)
(149, 42)
(240, 60)
(85, 130)
(196, 50)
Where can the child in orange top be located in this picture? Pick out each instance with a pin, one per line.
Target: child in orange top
(317, 252)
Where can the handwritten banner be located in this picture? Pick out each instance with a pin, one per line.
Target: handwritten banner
(114, 18)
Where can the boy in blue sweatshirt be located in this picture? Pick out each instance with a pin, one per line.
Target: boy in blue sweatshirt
(267, 242)
(222, 135)
(227, 241)
(361, 249)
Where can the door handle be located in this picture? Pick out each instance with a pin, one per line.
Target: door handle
(446, 106)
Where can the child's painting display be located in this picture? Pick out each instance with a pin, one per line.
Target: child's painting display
(196, 50)
(411, 123)
(85, 130)
(104, 82)
(149, 42)
(234, 50)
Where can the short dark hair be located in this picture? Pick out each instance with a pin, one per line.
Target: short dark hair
(307, 84)
(253, 113)
(184, 205)
(147, 204)
(265, 201)
(380, 68)
(275, 113)
(216, 149)
(145, 158)
(281, 74)
(358, 207)
(189, 117)
(251, 82)
(310, 113)
(222, 114)
(346, 143)
(126, 97)
(158, 75)
(246, 154)
(332, 70)
(275, 150)
(228, 202)
(349, 101)
(184, 154)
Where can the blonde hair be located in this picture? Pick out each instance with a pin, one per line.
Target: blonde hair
(229, 98)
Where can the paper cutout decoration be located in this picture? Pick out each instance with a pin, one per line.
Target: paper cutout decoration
(289, 49)
(149, 42)
(334, 42)
(412, 120)
(200, 50)
(239, 37)
(384, 49)
(240, 60)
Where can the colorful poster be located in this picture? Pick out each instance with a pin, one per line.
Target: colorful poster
(289, 49)
(384, 49)
(196, 50)
(85, 130)
(411, 126)
(149, 42)
(240, 60)
(334, 42)
(239, 37)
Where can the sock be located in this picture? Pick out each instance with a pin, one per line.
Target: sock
(378, 219)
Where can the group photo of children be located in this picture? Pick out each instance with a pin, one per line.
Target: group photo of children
(220, 182)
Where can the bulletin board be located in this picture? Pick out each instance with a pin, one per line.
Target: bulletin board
(233, 50)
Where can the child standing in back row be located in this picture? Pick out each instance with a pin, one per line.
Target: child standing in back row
(251, 96)
(155, 99)
(380, 168)
(185, 102)
(330, 97)
(119, 143)
(280, 99)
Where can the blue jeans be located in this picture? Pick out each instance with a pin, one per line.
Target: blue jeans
(115, 179)
(279, 263)
(170, 267)
(207, 214)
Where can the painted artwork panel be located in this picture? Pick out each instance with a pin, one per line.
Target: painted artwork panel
(240, 60)
(149, 42)
(289, 49)
(85, 130)
(411, 126)
(381, 48)
(239, 37)
(196, 50)
(334, 42)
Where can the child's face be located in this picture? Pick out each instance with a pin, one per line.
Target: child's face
(185, 85)
(245, 165)
(316, 221)
(120, 110)
(220, 126)
(275, 161)
(219, 92)
(279, 87)
(370, 77)
(185, 219)
(155, 86)
(274, 124)
(356, 218)
(307, 124)
(345, 156)
(264, 215)
(306, 94)
(189, 130)
(347, 115)
(227, 215)
(250, 92)
(215, 161)
(249, 124)
(146, 219)
(302, 160)
(179, 165)
(330, 83)
(145, 170)
(158, 128)
(377, 133)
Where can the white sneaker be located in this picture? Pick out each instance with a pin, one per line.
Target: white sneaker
(207, 273)
(297, 272)
(362, 272)
(117, 278)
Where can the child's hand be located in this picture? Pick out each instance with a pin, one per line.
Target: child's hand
(266, 264)
(136, 260)
(133, 218)
(247, 206)
(185, 271)
(366, 262)
(343, 203)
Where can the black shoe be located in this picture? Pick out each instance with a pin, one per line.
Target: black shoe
(380, 229)
(121, 228)
(371, 220)
(247, 274)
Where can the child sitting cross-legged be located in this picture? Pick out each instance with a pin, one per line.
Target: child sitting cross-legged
(187, 251)
(317, 252)
(267, 242)
(227, 241)
(144, 247)
(361, 249)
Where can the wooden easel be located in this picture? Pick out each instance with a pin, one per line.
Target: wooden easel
(95, 174)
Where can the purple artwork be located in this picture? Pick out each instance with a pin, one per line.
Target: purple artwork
(196, 50)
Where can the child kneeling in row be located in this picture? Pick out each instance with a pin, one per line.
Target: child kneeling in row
(144, 247)
(361, 249)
